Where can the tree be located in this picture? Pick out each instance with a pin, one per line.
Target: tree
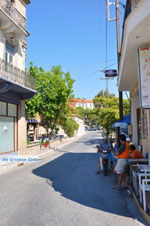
(70, 126)
(105, 94)
(107, 110)
(54, 87)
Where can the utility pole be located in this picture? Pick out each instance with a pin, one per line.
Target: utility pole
(118, 55)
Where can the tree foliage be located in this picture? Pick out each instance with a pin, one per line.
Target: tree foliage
(88, 115)
(53, 87)
(70, 126)
(107, 110)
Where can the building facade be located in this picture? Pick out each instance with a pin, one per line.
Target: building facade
(15, 85)
(135, 39)
(86, 104)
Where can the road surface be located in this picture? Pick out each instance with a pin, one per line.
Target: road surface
(63, 190)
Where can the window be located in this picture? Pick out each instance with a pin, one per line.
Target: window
(2, 108)
(7, 109)
(9, 52)
(12, 110)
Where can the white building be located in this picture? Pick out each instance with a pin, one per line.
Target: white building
(131, 69)
(15, 85)
(86, 104)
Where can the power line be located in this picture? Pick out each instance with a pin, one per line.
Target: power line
(86, 65)
(94, 5)
(94, 72)
(99, 4)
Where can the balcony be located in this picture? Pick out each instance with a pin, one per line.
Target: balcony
(12, 12)
(14, 75)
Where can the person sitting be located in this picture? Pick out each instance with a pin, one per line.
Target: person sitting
(104, 145)
(134, 153)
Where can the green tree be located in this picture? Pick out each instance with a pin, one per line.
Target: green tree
(70, 126)
(54, 87)
(107, 110)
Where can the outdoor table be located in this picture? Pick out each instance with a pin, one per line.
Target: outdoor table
(139, 161)
(144, 168)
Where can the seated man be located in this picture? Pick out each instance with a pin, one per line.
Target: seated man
(104, 145)
(134, 153)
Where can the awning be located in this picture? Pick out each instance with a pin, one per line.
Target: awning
(21, 92)
(122, 123)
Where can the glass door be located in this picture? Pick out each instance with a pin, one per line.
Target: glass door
(7, 134)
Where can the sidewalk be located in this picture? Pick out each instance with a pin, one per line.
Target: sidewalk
(35, 151)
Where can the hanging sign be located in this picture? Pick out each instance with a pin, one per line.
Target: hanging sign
(144, 76)
(111, 73)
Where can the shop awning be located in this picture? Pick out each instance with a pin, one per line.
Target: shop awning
(123, 123)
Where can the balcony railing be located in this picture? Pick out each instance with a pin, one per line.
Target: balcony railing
(14, 74)
(7, 6)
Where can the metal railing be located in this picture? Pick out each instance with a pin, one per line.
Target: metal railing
(14, 74)
(7, 6)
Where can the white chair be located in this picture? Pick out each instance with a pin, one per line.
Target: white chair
(143, 187)
(135, 177)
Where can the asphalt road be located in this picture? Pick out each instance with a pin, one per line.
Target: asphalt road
(63, 190)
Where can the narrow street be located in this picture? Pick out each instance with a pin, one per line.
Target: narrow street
(63, 190)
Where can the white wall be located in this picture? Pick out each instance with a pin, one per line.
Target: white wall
(2, 44)
(81, 129)
(22, 128)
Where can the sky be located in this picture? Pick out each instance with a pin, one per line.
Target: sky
(71, 33)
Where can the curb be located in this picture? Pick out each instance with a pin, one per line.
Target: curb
(143, 213)
(14, 165)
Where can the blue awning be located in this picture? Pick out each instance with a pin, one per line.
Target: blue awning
(124, 122)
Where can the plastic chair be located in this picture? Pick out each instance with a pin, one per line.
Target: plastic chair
(143, 187)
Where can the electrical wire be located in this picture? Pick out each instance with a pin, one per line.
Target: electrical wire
(97, 4)
(94, 5)
(98, 71)
(87, 65)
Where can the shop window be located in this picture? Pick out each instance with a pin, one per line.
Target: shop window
(12, 110)
(3, 108)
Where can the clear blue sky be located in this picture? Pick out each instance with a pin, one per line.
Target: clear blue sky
(71, 33)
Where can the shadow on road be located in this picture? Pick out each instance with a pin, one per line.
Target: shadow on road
(73, 175)
(89, 142)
